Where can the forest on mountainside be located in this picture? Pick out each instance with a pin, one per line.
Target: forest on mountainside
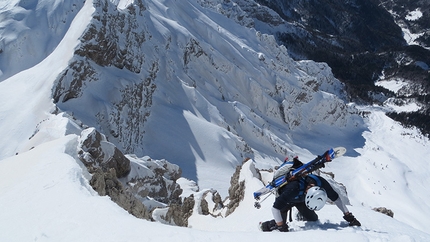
(364, 42)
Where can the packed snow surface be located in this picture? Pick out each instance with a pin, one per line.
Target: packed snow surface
(45, 193)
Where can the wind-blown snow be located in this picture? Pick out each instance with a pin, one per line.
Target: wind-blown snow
(45, 193)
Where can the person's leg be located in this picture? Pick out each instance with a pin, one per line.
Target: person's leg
(289, 194)
(331, 193)
(278, 223)
(284, 212)
(308, 215)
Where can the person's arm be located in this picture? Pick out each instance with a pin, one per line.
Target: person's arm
(341, 205)
(347, 215)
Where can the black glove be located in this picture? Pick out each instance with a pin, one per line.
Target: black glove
(351, 220)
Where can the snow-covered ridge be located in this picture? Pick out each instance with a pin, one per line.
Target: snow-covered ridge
(159, 70)
(205, 95)
(30, 30)
(24, 128)
(30, 196)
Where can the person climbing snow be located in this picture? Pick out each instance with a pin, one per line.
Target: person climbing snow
(307, 192)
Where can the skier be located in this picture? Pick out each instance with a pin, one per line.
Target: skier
(308, 193)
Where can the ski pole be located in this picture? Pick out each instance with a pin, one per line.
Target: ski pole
(257, 204)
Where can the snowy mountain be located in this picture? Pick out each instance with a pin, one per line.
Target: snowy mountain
(364, 42)
(120, 112)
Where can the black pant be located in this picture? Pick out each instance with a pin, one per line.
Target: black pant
(308, 215)
(293, 195)
(290, 194)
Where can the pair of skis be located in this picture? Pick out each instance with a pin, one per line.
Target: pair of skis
(309, 167)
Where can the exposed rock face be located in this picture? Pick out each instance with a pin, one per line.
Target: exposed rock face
(217, 202)
(127, 64)
(96, 152)
(102, 41)
(210, 203)
(129, 183)
(385, 211)
(107, 184)
(361, 40)
(236, 191)
(237, 188)
(72, 82)
(155, 179)
(106, 164)
(114, 38)
(179, 213)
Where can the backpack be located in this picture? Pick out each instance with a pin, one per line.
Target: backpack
(280, 177)
(282, 174)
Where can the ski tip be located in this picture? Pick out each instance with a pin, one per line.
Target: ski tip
(339, 151)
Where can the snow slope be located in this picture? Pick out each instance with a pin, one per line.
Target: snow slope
(45, 195)
(30, 30)
(184, 86)
(26, 97)
(47, 198)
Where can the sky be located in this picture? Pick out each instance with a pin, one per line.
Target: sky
(45, 193)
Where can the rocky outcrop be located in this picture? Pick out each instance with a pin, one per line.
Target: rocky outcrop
(129, 182)
(215, 199)
(237, 188)
(102, 41)
(236, 191)
(106, 183)
(155, 179)
(106, 164)
(71, 82)
(113, 39)
(362, 42)
(385, 211)
(178, 214)
(96, 152)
